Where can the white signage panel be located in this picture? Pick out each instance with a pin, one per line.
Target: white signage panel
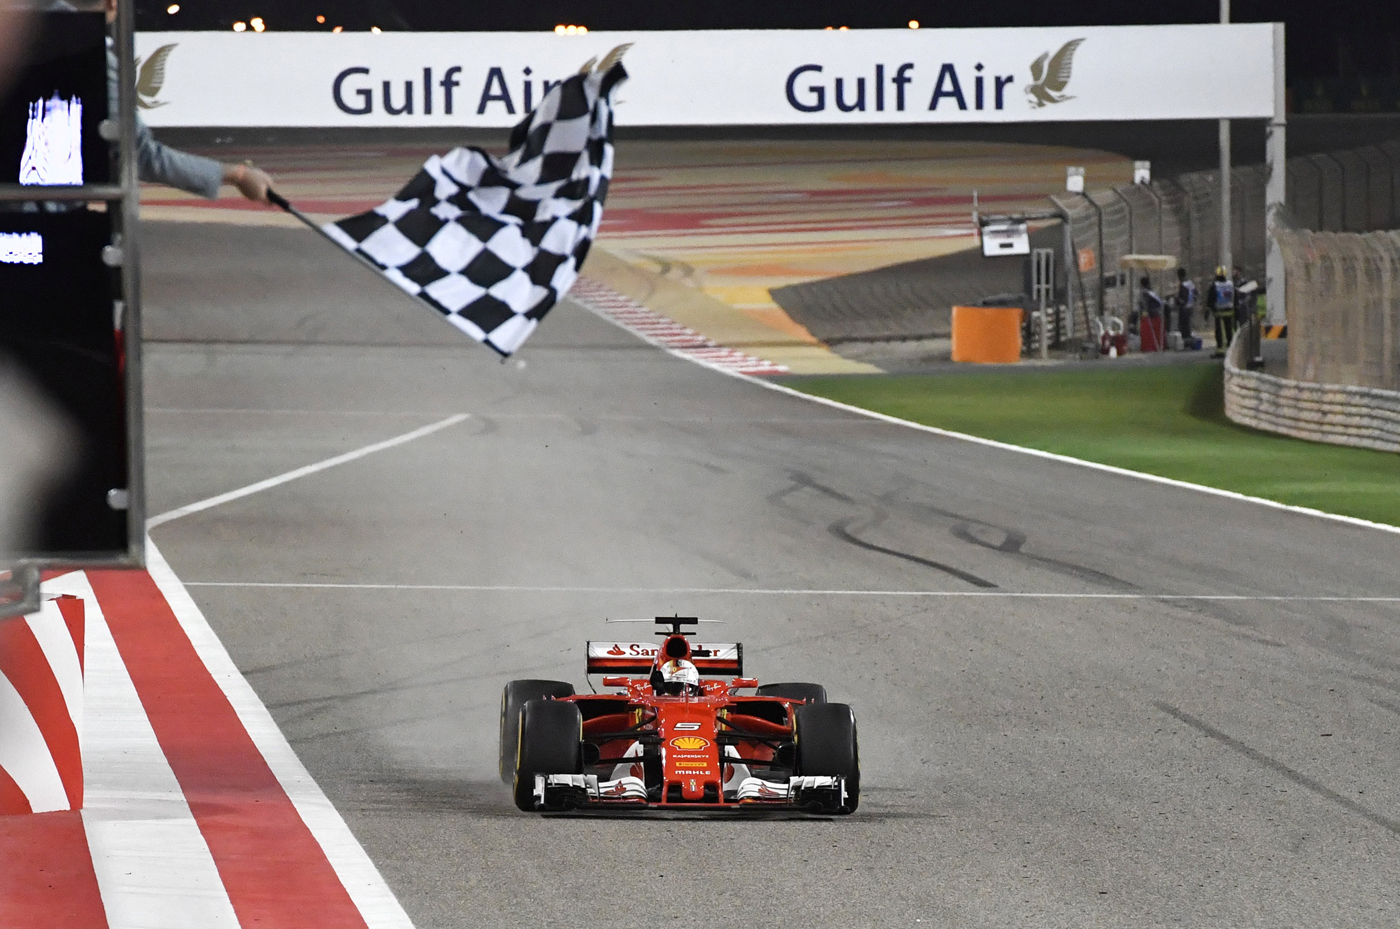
(738, 77)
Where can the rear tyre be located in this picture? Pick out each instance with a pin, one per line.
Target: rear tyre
(513, 699)
(826, 745)
(812, 693)
(551, 742)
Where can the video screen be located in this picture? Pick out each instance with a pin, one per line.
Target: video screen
(57, 338)
(57, 99)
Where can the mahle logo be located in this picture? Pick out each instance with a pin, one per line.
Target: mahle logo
(150, 78)
(1049, 80)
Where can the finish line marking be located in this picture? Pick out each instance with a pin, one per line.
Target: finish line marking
(302, 472)
(796, 592)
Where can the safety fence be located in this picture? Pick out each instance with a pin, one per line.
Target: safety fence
(1349, 191)
(1343, 307)
(1335, 413)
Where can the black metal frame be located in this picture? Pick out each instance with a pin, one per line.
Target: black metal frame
(123, 200)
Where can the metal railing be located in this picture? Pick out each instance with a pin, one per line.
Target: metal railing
(1352, 191)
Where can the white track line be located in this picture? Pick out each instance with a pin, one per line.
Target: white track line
(992, 443)
(796, 592)
(302, 472)
(362, 880)
(153, 867)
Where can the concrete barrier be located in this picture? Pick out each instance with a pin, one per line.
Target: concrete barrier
(1366, 417)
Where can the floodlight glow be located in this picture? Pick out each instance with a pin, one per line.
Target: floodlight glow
(913, 24)
(257, 23)
(239, 27)
(320, 19)
(173, 9)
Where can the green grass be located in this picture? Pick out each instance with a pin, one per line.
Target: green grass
(1165, 420)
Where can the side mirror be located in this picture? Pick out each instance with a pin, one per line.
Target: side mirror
(616, 681)
(741, 683)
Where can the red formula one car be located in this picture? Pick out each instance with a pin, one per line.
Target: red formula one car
(671, 739)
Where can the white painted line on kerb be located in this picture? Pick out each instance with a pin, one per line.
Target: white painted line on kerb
(797, 592)
(1004, 446)
(153, 866)
(302, 472)
(361, 879)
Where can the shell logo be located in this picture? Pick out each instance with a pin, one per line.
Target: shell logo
(690, 743)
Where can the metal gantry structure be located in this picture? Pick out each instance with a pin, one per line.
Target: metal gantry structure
(121, 254)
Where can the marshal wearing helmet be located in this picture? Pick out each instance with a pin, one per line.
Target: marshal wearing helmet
(687, 731)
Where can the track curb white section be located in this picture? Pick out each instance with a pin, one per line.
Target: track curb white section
(154, 870)
(1005, 446)
(361, 879)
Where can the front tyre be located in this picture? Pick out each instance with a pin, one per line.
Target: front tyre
(551, 742)
(513, 700)
(827, 746)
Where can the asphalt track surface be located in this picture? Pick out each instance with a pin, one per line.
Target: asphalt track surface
(1109, 758)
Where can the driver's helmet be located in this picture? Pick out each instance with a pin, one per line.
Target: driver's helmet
(679, 677)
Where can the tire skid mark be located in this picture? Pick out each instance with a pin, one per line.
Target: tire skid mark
(841, 530)
(1278, 767)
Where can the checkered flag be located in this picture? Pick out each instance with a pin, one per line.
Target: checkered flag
(493, 243)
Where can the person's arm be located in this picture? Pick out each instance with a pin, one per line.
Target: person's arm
(158, 163)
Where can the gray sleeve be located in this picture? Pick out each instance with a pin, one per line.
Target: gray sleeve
(161, 164)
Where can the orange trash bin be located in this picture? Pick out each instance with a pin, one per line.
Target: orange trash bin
(987, 334)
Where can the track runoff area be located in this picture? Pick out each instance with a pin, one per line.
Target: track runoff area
(1084, 696)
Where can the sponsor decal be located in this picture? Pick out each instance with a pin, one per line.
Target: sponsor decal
(150, 77)
(616, 650)
(694, 764)
(1050, 76)
(689, 743)
(686, 727)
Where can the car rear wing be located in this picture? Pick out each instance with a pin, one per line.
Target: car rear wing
(715, 659)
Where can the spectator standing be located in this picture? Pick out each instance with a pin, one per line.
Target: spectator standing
(1186, 300)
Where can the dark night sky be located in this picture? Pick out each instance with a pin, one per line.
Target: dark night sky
(1325, 39)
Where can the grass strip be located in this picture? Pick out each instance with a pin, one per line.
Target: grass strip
(1167, 420)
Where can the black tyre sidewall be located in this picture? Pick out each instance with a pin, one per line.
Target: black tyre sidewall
(513, 700)
(551, 742)
(813, 694)
(827, 745)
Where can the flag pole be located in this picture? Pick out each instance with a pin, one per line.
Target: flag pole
(285, 205)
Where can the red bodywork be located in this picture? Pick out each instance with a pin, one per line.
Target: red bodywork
(689, 750)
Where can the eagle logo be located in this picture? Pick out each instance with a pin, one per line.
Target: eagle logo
(151, 77)
(1048, 80)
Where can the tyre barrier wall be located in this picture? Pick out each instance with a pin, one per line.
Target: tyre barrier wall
(41, 709)
(1337, 414)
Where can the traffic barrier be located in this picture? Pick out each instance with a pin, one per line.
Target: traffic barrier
(1333, 413)
(987, 334)
(41, 709)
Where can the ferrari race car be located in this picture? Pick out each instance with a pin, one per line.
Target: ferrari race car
(672, 738)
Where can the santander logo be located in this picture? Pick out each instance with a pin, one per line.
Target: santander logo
(616, 650)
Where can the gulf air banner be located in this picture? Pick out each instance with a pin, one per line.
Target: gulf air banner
(719, 78)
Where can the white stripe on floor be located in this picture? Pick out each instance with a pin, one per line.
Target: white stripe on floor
(807, 592)
(25, 755)
(292, 475)
(56, 642)
(367, 889)
(153, 867)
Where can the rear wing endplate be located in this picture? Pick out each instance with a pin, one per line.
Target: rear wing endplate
(715, 659)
